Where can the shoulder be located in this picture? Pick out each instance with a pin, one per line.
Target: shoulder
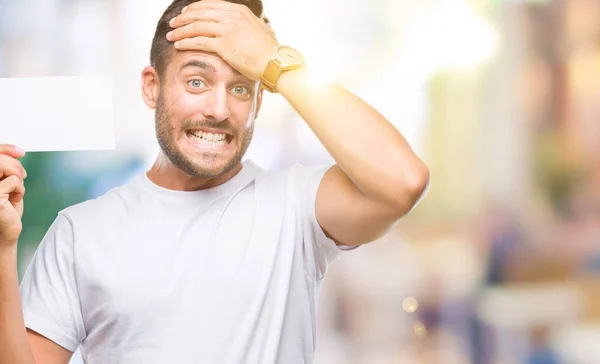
(295, 175)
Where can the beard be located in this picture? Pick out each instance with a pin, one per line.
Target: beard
(207, 165)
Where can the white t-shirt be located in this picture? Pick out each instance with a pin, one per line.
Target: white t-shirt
(148, 275)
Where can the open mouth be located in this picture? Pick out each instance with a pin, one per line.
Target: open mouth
(210, 139)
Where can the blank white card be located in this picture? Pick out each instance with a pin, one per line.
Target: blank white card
(57, 113)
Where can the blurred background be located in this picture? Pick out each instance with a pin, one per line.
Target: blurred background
(499, 264)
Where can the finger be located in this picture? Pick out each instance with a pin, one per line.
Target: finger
(206, 14)
(229, 11)
(14, 188)
(205, 44)
(197, 29)
(214, 4)
(10, 166)
(12, 150)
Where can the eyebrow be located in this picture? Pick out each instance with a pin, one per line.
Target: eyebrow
(208, 66)
(199, 64)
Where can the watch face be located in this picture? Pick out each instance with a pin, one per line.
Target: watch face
(290, 55)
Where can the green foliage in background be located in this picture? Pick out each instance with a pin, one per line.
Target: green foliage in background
(43, 199)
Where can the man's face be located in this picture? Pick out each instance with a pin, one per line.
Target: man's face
(205, 114)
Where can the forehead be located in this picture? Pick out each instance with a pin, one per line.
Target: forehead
(196, 61)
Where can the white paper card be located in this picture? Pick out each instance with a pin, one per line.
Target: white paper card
(57, 113)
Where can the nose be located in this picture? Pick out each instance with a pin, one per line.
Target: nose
(217, 104)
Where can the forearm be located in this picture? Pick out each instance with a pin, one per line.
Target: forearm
(368, 148)
(14, 346)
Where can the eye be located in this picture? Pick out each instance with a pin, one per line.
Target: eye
(241, 90)
(196, 83)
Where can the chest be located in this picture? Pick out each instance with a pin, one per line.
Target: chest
(164, 268)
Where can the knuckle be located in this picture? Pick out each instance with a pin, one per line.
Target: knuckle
(12, 179)
(196, 26)
(230, 27)
(248, 13)
(8, 164)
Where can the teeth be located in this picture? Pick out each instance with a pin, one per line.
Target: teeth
(208, 136)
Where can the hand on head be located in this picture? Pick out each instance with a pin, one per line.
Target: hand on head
(227, 29)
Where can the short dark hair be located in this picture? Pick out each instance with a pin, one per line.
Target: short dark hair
(161, 49)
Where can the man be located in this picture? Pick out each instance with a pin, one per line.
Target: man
(205, 258)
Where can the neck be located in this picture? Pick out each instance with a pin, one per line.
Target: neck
(166, 175)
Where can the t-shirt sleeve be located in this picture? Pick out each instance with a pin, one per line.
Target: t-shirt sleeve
(319, 250)
(49, 296)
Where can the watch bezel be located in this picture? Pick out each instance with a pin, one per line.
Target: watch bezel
(286, 60)
(278, 64)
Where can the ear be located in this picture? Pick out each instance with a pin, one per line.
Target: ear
(259, 98)
(150, 86)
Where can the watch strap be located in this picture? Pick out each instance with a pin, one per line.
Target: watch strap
(271, 75)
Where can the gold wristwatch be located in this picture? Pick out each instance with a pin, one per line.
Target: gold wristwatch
(284, 58)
